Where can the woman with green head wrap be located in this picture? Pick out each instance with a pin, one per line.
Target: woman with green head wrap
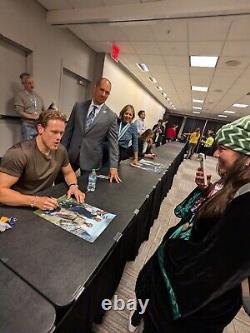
(193, 281)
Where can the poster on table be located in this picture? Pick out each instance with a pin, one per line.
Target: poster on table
(82, 220)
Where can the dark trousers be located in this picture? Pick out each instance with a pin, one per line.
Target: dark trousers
(125, 153)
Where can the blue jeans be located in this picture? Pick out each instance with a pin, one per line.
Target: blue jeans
(29, 131)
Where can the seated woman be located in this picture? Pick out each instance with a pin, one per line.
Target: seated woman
(127, 135)
(193, 281)
(145, 143)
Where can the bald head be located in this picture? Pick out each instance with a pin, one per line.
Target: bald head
(101, 91)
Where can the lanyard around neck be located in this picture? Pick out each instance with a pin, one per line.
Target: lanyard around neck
(123, 130)
(32, 98)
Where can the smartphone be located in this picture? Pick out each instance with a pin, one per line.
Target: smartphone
(202, 160)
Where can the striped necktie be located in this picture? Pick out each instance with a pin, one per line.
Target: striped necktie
(90, 117)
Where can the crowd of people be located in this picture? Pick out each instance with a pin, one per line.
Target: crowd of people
(188, 288)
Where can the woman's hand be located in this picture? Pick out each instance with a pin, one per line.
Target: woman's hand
(149, 156)
(135, 162)
(199, 179)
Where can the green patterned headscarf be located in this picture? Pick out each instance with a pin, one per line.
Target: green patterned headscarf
(236, 135)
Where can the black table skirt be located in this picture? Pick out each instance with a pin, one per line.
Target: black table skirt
(103, 285)
(132, 227)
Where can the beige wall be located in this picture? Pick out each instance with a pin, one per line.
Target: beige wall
(24, 22)
(125, 90)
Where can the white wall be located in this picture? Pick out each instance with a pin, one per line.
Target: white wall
(24, 22)
(125, 90)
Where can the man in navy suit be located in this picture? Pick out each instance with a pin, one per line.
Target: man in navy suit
(90, 124)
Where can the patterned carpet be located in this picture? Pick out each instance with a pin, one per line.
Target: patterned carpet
(116, 321)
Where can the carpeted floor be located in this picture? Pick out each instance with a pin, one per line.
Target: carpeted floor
(116, 321)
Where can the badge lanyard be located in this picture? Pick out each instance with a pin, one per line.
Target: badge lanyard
(32, 99)
(123, 130)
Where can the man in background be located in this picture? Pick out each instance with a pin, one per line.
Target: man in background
(91, 123)
(29, 105)
(140, 123)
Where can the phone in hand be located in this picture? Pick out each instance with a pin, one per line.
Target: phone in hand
(202, 159)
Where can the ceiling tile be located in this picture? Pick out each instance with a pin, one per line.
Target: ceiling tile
(137, 31)
(238, 49)
(152, 59)
(205, 48)
(170, 31)
(233, 63)
(240, 29)
(145, 48)
(176, 61)
(208, 29)
(174, 49)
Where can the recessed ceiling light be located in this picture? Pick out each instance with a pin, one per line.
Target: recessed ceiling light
(197, 88)
(222, 116)
(233, 63)
(159, 88)
(198, 100)
(229, 112)
(197, 107)
(196, 112)
(143, 67)
(152, 79)
(200, 61)
(240, 105)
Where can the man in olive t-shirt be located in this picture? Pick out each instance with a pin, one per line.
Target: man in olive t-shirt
(32, 166)
(35, 171)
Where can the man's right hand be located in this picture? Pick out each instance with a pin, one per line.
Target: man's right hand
(113, 174)
(199, 179)
(45, 203)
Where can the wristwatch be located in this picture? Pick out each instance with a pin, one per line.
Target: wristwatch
(73, 185)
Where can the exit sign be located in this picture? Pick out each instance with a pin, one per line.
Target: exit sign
(115, 52)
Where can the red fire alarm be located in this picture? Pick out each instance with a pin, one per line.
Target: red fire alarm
(115, 52)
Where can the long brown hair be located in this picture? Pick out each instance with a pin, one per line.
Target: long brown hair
(145, 134)
(237, 176)
(125, 108)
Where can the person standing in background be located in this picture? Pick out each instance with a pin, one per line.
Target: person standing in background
(207, 144)
(171, 132)
(140, 123)
(193, 140)
(29, 105)
(91, 123)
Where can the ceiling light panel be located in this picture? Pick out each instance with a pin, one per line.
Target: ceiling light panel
(198, 88)
(143, 67)
(198, 100)
(236, 105)
(200, 61)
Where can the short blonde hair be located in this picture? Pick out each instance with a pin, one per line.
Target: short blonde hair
(47, 115)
